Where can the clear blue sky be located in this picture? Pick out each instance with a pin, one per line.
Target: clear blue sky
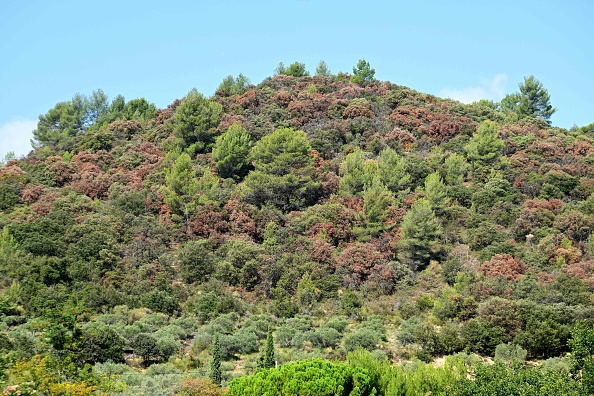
(51, 50)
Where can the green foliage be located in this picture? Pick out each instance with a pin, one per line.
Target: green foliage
(377, 200)
(283, 174)
(181, 186)
(363, 73)
(483, 147)
(436, 193)
(267, 358)
(509, 353)
(69, 119)
(420, 233)
(497, 379)
(392, 171)
(295, 69)
(313, 377)
(215, 365)
(233, 85)
(146, 346)
(195, 120)
(356, 174)
(196, 261)
(533, 100)
(456, 169)
(322, 69)
(230, 152)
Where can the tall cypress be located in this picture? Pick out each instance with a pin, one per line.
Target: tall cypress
(268, 358)
(215, 364)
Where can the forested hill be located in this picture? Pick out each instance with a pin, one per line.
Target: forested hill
(340, 211)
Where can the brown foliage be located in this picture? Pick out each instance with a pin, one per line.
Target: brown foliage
(241, 221)
(583, 270)
(199, 387)
(209, 223)
(248, 100)
(31, 194)
(361, 260)
(125, 129)
(512, 268)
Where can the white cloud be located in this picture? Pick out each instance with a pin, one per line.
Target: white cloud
(488, 88)
(15, 136)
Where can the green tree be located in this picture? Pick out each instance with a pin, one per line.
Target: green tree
(484, 145)
(295, 69)
(392, 171)
(181, 186)
(230, 152)
(377, 200)
(196, 262)
(533, 100)
(363, 73)
(268, 357)
(233, 86)
(356, 173)
(435, 192)
(216, 374)
(456, 169)
(420, 233)
(322, 69)
(284, 173)
(582, 354)
(61, 123)
(195, 120)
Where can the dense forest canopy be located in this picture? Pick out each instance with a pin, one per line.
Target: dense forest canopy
(330, 224)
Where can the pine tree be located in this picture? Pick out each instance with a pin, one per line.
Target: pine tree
(533, 100)
(363, 73)
(420, 234)
(483, 148)
(215, 364)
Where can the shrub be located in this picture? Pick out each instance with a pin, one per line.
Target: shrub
(304, 378)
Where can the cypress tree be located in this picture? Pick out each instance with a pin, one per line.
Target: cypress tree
(267, 358)
(215, 364)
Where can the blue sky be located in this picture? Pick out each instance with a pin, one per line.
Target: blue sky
(466, 50)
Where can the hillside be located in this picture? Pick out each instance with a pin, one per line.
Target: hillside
(341, 211)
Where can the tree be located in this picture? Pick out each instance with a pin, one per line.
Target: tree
(322, 69)
(435, 191)
(484, 145)
(268, 358)
(284, 173)
(377, 200)
(181, 186)
(233, 86)
(392, 171)
(533, 100)
(195, 120)
(420, 233)
(356, 173)
(65, 121)
(216, 374)
(295, 69)
(231, 151)
(195, 261)
(363, 73)
(456, 168)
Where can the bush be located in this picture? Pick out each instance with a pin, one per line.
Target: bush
(365, 338)
(305, 378)
(508, 353)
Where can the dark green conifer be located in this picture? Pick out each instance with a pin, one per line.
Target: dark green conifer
(215, 364)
